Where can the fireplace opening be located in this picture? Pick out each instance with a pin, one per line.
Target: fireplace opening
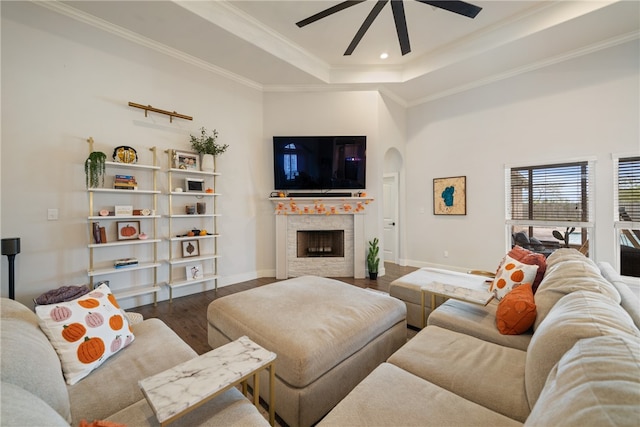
(320, 243)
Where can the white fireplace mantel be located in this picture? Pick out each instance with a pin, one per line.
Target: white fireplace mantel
(309, 212)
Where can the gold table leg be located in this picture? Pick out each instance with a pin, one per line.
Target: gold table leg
(272, 394)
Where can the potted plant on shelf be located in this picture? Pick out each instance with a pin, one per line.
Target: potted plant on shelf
(372, 259)
(208, 148)
(94, 168)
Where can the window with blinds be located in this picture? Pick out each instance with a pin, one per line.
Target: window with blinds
(628, 210)
(629, 188)
(550, 192)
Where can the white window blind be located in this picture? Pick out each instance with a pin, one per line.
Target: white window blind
(629, 189)
(554, 193)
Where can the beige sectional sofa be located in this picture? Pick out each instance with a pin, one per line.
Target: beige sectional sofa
(579, 366)
(34, 392)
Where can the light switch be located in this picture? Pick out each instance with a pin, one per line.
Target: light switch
(52, 214)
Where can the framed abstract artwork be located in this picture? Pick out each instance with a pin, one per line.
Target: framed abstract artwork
(450, 196)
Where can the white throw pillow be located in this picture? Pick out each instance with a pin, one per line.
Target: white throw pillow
(511, 274)
(86, 331)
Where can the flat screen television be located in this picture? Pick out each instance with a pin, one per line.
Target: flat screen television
(319, 162)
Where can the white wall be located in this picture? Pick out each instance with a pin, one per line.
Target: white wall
(340, 113)
(63, 81)
(586, 107)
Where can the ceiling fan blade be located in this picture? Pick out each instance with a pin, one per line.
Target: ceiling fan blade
(365, 26)
(460, 7)
(401, 25)
(327, 12)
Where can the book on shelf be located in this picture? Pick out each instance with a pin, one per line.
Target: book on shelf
(96, 232)
(103, 235)
(126, 177)
(125, 262)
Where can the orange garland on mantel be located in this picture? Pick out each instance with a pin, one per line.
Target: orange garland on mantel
(320, 206)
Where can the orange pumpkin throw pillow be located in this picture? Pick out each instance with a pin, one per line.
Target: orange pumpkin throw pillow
(516, 312)
(526, 256)
(511, 274)
(85, 331)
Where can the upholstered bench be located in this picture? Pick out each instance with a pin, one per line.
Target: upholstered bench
(328, 336)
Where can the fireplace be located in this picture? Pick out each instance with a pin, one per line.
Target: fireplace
(320, 243)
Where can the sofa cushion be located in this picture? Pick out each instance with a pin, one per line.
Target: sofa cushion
(517, 311)
(596, 383)
(85, 331)
(510, 274)
(28, 360)
(21, 408)
(155, 349)
(457, 362)
(567, 254)
(230, 409)
(578, 315)
(390, 396)
(575, 273)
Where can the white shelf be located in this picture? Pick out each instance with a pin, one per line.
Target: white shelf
(122, 217)
(111, 270)
(115, 190)
(194, 172)
(124, 243)
(177, 239)
(131, 166)
(205, 278)
(134, 292)
(193, 215)
(193, 193)
(192, 259)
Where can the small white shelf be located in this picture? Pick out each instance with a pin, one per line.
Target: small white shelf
(192, 259)
(205, 278)
(194, 172)
(124, 243)
(129, 192)
(131, 166)
(193, 193)
(122, 217)
(193, 215)
(111, 270)
(177, 239)
(140, 290)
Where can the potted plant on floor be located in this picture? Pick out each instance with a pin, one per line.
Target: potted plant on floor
(94, 168)
(372, 259)
(208, 148)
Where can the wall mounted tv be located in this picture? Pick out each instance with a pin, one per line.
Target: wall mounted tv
(319, 162)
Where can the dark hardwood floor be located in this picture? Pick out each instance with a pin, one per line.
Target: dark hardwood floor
(187, 316)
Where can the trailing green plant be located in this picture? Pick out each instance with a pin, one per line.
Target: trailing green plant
(94, 168)
(373, 261)
(206, 144)
(564, 238)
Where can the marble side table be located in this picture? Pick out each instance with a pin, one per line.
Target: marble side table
(449, 284)
(178, 390)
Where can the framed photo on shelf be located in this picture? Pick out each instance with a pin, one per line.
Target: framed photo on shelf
(190, 248)
(450, 196)
(128, 230)
(185, 160)
(194, 271)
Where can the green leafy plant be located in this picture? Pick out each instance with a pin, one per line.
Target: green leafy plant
(206, 144)
(373, 261)
(564, 238)
(94, 168)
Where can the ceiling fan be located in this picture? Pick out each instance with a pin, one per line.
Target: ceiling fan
(397, 7)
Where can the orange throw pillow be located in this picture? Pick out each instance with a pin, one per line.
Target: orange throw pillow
(516, 312)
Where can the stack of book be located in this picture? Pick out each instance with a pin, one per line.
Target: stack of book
(99, 233)
(125, 262)
(125, 182)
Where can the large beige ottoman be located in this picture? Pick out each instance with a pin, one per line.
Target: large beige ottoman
(328, 336)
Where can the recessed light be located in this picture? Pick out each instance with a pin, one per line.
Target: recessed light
(384, 55)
